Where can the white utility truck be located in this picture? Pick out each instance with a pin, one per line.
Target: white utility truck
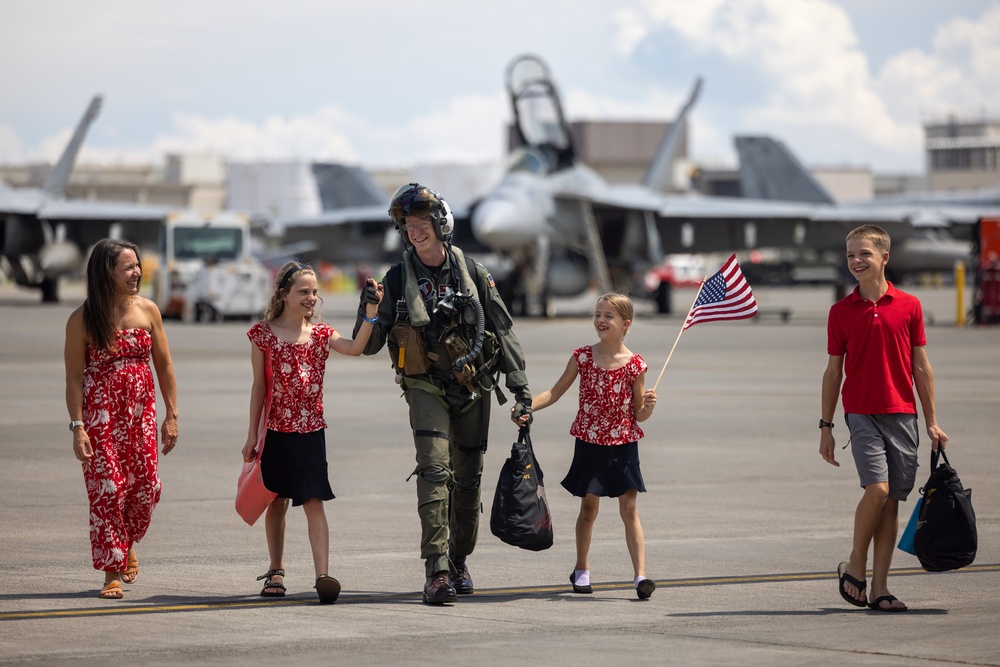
(206, 270)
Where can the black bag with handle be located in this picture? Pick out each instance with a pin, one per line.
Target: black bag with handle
(520, 514)
(946, 537)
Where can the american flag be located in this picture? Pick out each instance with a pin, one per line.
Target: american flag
(724, 296)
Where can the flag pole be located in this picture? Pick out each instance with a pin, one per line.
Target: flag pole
(677, 340)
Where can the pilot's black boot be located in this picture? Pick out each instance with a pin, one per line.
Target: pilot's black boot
(437, 590)
(460, 579)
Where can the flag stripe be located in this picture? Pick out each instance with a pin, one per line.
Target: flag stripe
(725, 296)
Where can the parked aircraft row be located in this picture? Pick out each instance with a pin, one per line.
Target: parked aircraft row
(44, 236)
(563, 228)
(552, 224)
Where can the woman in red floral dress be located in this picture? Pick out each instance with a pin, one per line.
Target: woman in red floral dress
(111, 400)
(293, 463)
(606, 459)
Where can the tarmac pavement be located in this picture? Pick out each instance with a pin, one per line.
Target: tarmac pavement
(744, 522)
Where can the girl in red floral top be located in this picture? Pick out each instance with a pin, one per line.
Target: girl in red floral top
(293, 464)
(606, 459)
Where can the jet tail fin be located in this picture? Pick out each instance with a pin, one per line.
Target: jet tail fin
(56, 182)
(658, 174)
(768, 170)
(342, 186)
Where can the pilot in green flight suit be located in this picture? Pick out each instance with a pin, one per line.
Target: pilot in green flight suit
(449, 336)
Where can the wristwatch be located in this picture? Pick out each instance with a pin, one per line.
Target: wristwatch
(74, 424)
(823, 423)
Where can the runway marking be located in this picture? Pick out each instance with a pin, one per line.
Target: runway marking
(480, 593)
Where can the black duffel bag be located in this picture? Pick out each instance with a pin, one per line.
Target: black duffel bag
(946, 536)
(520, 514)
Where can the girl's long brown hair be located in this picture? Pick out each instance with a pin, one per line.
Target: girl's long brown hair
(283, 281)
(98, 309)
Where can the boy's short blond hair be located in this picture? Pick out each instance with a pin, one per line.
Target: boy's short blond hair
(878, 236)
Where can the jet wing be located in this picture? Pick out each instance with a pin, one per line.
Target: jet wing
(354, 215)
(23, 201)
(82, 209)
(358, 234)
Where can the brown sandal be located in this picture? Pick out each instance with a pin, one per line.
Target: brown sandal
(131, 572)
(327, 588)
(268, 584)
(112, 591)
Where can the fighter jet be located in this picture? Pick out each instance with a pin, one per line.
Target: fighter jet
(553, 227)
(941, 222)
(44, 236)
(565, 228)
(354, 223)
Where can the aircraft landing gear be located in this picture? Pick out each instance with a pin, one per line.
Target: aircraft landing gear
(50, 290)
(663, 300)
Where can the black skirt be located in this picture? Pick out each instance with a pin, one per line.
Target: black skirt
(603, 470)
(293, 465)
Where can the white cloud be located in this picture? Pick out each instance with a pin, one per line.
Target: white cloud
(961, 75)
(11, 149)
(818, 78)
(322, 135)
(359, 91)
(631, 30)
(465, 129)
(468, 128)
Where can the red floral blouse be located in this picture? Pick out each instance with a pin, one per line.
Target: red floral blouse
(298, 368)
(606, 415)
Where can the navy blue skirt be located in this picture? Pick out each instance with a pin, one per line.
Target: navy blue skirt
(602, 470)
(293, 465)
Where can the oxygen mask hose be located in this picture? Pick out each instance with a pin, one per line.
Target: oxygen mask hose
(477, 345)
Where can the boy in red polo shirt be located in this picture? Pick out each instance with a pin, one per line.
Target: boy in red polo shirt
(875, 339)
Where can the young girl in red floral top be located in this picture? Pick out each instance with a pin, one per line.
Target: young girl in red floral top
(606, 459)
(293, 463)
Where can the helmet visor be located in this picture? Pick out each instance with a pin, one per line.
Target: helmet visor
(420, 203)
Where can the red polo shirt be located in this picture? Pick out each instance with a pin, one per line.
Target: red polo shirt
(877, 341)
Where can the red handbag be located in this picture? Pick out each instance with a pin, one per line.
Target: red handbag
(252, 497)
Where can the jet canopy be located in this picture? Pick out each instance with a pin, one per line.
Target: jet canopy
(537, 113)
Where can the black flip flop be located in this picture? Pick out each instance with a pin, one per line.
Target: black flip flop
(861, 585)
(875, 604)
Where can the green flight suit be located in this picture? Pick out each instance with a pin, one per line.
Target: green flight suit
(450, 426)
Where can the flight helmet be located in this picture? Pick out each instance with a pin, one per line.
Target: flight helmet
(420, 201)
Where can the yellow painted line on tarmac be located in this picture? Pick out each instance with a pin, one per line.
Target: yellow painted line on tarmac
(414, 597)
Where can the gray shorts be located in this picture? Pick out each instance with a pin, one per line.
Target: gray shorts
(885, 450)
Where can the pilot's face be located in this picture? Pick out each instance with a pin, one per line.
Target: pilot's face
(421, 232)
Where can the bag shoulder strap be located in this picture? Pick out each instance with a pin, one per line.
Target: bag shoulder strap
(265, 409)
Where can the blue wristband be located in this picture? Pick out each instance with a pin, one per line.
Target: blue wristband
(371, 320)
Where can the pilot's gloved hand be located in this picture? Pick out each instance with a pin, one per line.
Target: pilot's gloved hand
(520, 414)
(369, 295)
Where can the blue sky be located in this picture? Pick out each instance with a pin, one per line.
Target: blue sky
(389, 83)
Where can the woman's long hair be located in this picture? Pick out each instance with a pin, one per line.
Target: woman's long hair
(283, 280)
(98, 309)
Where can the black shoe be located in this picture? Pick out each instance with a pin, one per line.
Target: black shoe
(460, 579)
(645, 588)
(579, 589)
(437, 590)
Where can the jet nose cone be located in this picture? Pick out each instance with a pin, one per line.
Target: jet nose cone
(501, 224)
